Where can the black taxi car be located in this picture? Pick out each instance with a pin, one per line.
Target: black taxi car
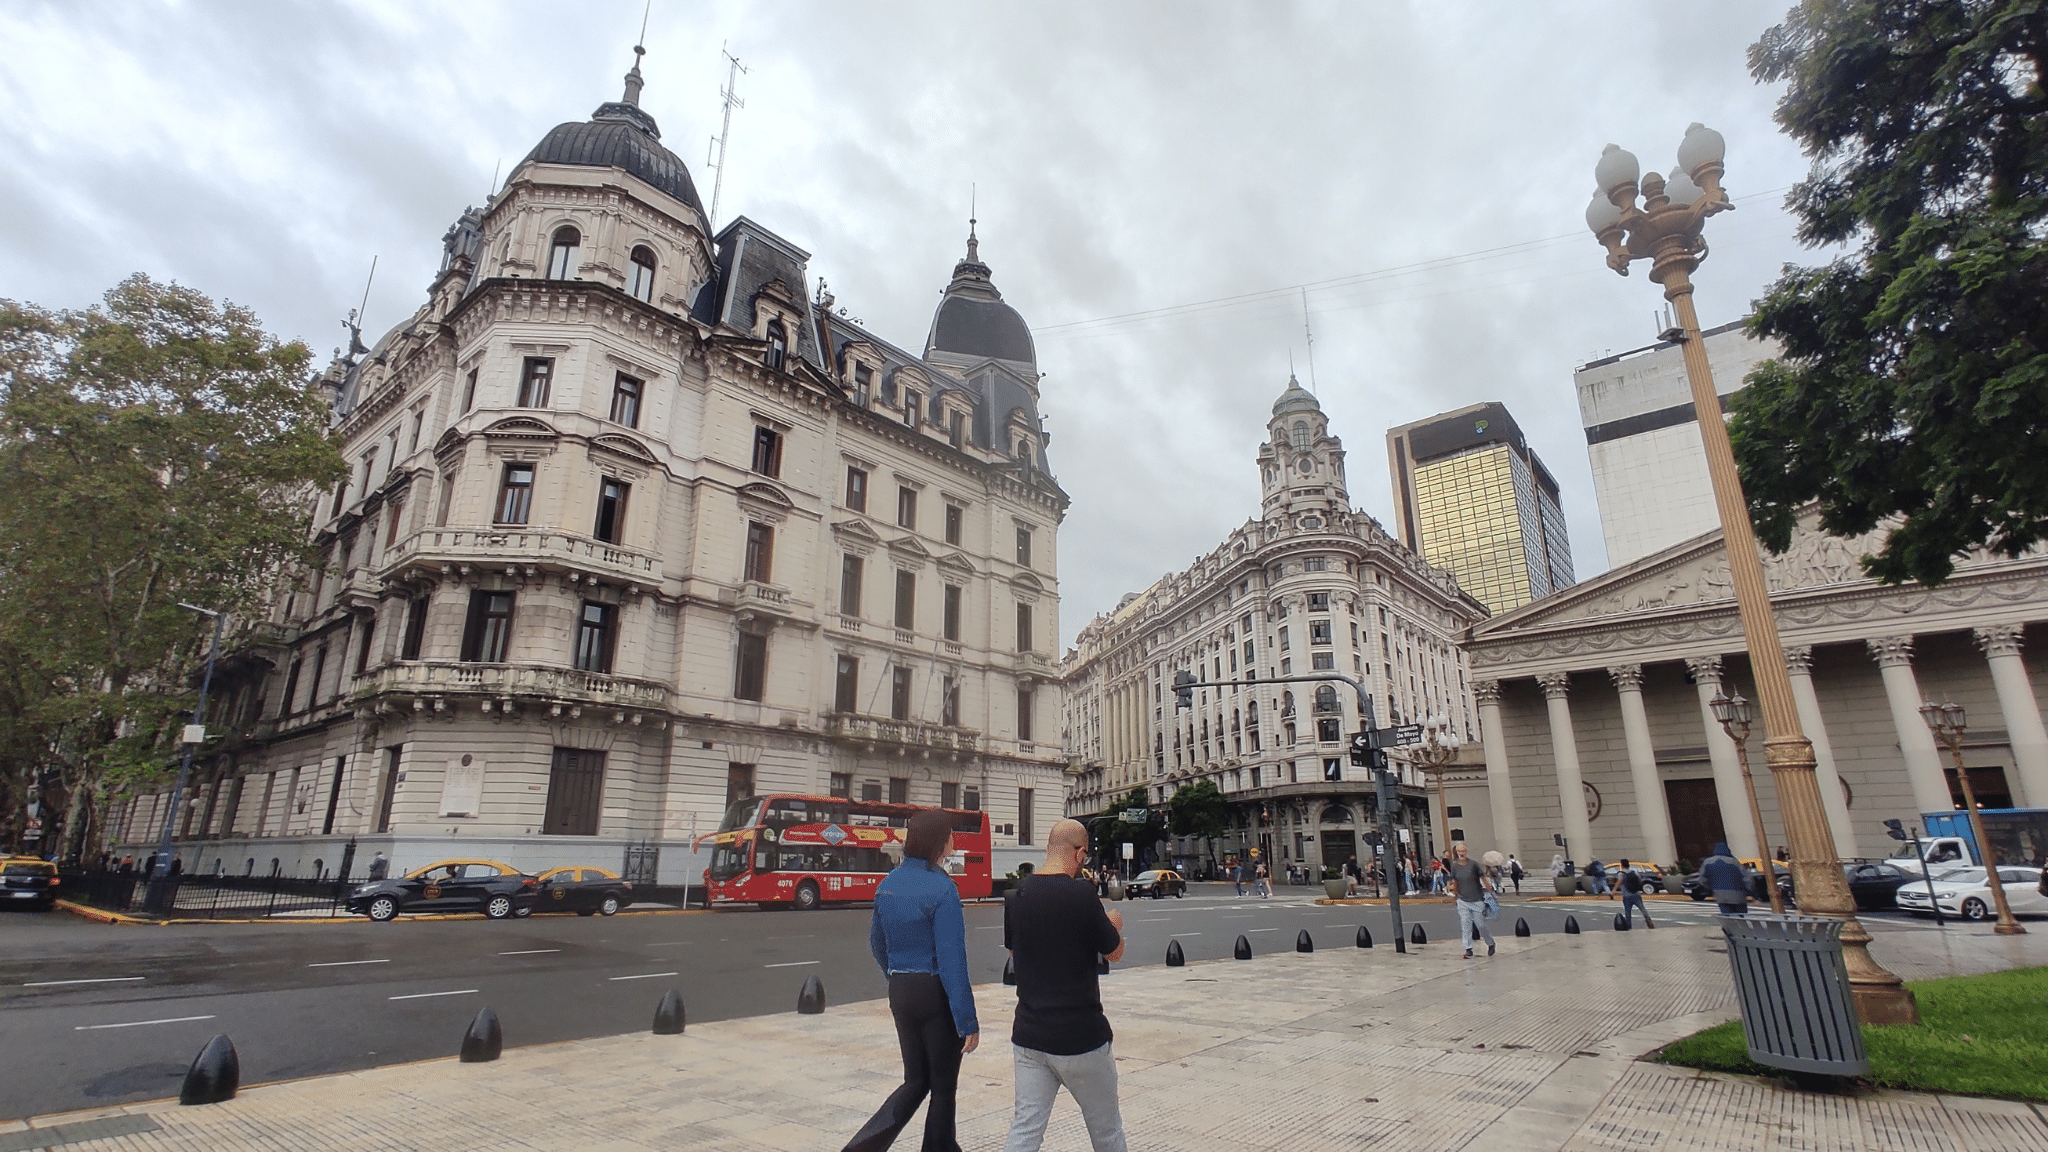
(581, 889)
(27, 882)
(497, 890)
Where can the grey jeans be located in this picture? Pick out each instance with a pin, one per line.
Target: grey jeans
(1090, 1076)
(1472, 923)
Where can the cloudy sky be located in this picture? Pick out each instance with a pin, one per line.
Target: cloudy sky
(1156, 183)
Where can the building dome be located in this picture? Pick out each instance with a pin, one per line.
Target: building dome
(972, 319)
(619, 135)
(1295, 399)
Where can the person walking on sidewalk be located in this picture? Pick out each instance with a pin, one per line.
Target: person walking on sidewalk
(1260, 887)
(919, 937)
(1351, 876)
(1237, 875)
(1054, 933)
(1470, 884)
(1596, 878)
(1725, 878)
(1632, 896)
(1515, 872)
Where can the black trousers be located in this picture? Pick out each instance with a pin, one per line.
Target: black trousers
(931, 1066)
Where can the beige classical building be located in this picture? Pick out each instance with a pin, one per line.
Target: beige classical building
(636, 528)
(1594, 703)
(1310, 585)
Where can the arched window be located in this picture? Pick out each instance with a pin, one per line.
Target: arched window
(1287, 704)
(1336, 814)
(1326, 699)
(640, 276)
(778, 345)
(1300, 433)
(562, 254)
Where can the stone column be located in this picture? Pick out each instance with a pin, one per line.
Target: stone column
(2001, 645)
(1500, 788)
(1799, 662)
(1651, 809)
(1564, 748)
(1729, 791)
(1894, 656)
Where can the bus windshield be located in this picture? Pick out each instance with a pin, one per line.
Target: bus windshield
(728, 860)
(740, 815)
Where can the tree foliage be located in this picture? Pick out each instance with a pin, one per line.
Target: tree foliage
(1913, 388)
(157, 449)
(1199, 810)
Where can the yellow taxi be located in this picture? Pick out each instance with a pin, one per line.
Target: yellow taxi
(28, 882)
(497, 890)
(582, 889)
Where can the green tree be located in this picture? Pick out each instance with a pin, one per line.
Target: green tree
(1113, 829)
(1913, 389)
(157, 449)
(1199, 810)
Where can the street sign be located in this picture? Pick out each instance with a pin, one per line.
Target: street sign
(1136, 815)
(1130, 850)
(1398, 736)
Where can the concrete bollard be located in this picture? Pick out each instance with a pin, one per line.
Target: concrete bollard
(215, 1075)
(811, 1001)
(1304, 943)
(484, 1040)
(1175, 958)
(1416, 935)
(1571, 925)
(1364, 937)
(1621, 923)
(1521, 926)
(668, 1015)
(1010, 970)
(1243, 950)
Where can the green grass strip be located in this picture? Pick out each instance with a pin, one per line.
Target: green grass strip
(1978, 1036)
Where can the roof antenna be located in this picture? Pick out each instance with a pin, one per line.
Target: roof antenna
(1307, 328)
(496, 167)
(732, 100)
(354, 323)
(973, 210)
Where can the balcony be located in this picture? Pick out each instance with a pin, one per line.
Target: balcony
(517, 546)
(512, 682)
(901, 735)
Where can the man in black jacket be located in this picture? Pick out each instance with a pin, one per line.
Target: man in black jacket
(1632, 896)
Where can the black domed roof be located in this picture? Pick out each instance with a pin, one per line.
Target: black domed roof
(619, 135)
(972, 319)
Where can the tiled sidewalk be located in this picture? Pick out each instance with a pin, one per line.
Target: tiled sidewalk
(1349, 1049)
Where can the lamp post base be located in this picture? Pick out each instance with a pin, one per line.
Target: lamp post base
(2009, 930)
(1881, 997)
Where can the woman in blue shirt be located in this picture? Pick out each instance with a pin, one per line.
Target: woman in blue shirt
(920, 939)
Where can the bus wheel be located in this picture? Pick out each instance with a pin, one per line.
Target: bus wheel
(807, 896)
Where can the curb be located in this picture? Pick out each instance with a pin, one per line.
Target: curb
(1381, 901)
(104, 917)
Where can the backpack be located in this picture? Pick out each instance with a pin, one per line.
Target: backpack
(1631, 881)
(1515, 869)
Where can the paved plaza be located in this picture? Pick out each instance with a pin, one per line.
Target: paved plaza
(1341, 1049)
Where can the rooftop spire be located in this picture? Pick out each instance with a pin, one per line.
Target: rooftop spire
(633, 81)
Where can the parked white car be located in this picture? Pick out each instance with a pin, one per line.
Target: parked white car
(1966, 893)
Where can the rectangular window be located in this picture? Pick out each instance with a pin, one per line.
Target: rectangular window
(596, 635)
(913, 405)
(949, 795)
(952, 623)
(1323, 662)
(760, 552)
(340, 497)
(906, 600)
(419, 422)
(415, 628)
(487, 635)
(319, 668)
(899, 693)
(575, 793)
(1283, 638)
(849, 586)
(1333, 769)
(1315, 564)
(626, 401)
(906, 508)
(1023, 546)
(611, 510)
(1319, 601)
(767, 451)
(739, 783)
(956, 521)
(949, 703)
(970, 798)
(1329, 730)
(393, 518)
(846, 686)
(515, 494)
(1024, 628)
(1024, 814)
(871, 791)
(863, 380)
(1024, 701)
(364, 645)
(388, 791)
(469, 391)
(1319, 632)
(447, 500)
(842, 785)
(534, 379)
(956, 430)
(291, 688)
(857, 489)
(1248, 654)
(899, 789)
(750, 676)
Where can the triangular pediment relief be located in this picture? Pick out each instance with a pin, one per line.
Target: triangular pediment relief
(908, 546)
(624, 446)
(955, 562)
(767, 494)
(1026, 582)
(856, 530)
(520, 426)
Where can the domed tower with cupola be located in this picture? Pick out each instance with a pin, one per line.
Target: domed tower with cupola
(986, 341)
(1301, 466)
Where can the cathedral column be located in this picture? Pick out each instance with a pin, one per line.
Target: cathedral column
(1799, 662)
(2001, 645)
(1500, 789)
(1564, 749)
(1894, 656)
(1730, 793)
(1651, 809)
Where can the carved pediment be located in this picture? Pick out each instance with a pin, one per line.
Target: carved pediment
(624, 446)
(856, 537)
(449, 444)
(1026, 582)
(520, 427)
(956, 563)
(908, 549)
(764, 495)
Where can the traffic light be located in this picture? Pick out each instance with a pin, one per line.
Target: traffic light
(1361, 749)
(1895, 830)
(1183, 691)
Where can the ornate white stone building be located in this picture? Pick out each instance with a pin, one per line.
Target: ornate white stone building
(1311, 585)
(634, 529)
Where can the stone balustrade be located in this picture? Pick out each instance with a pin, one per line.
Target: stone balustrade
(521, 546)
(900, 733)
(512, 681)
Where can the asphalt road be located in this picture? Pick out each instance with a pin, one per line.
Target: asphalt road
(97, 1014)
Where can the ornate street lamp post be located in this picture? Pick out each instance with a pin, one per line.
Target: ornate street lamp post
(1665, 230)
(1438, 749)
(1949, 723)
(1733, 713)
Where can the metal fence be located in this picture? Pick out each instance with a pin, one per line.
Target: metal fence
(206, 897)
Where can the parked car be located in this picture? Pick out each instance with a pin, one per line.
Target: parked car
(581, 889)
(1873, 884)
(1157, 883)
(1965, 892)
(487, 886)
(28, 882)
(1696, 887)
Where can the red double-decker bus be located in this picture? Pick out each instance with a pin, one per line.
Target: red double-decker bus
(805, 851)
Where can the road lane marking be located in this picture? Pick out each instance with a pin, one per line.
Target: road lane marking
(425, 995)
(345, 963)
(1262, 929)
(1154, 919)
(1183, 933)
(530, 952)
(99, 980)
(792, 964)
(645, 976)
(671, 943)
(138, 1023)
